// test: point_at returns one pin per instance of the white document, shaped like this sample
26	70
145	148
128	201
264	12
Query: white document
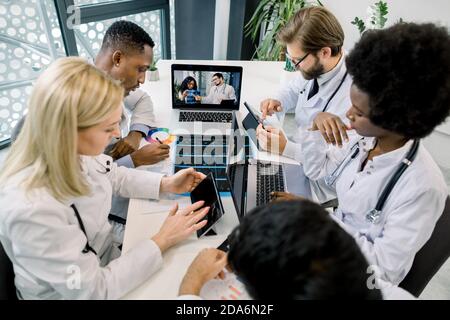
229	288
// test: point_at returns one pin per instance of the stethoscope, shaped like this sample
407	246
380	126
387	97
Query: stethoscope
332	95
374	215
223	89
87	247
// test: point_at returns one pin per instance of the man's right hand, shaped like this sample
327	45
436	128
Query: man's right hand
150	154
269	106
208	264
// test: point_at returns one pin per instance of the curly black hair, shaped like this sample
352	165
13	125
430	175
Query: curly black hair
184	84
405	70
294	250
126	36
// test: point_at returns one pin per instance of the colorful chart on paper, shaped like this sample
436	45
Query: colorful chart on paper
162	134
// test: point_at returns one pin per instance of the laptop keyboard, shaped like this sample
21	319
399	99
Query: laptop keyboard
205	154
186	116
269	179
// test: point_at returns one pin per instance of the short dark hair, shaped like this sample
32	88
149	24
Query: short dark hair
218	74
405	71
294	250
126	36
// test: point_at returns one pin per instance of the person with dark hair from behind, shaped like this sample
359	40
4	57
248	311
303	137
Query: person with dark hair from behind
289	250
188	90
400	93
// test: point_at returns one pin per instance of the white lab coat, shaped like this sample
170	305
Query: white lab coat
44	241
219	93
138	110
410	212
294	97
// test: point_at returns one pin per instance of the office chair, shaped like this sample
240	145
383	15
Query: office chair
7	288
431	256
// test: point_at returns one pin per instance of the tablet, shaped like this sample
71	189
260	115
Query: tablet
207	191
250	123
252	112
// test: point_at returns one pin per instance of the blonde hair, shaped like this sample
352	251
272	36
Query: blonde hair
314	28
69	96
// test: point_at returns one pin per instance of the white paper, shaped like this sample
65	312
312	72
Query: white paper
229	288
145	206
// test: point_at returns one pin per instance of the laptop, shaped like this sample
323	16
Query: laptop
201	104
252	181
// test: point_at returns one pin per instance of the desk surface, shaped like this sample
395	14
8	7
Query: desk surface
260	80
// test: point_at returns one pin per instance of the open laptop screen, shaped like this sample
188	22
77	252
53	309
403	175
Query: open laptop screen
238	152
206	87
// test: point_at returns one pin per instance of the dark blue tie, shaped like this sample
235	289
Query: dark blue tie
314	89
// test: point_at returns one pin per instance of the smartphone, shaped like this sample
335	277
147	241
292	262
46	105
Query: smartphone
250	123
207	191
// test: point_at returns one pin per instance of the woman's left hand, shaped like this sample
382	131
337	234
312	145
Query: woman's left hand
183	181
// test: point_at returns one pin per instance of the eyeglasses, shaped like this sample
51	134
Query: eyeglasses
295	64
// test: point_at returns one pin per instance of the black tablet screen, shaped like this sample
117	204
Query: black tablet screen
207	191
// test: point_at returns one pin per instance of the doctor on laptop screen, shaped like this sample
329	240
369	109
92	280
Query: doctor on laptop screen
206	87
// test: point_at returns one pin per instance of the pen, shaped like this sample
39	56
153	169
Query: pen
159	140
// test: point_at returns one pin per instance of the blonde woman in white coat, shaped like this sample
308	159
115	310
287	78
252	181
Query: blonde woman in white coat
56	188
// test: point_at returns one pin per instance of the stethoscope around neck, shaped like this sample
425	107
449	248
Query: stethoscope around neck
88	248
223	89
333	94
374	215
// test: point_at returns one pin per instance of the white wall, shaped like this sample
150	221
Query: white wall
437	11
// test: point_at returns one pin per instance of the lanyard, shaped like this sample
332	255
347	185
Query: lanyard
87	248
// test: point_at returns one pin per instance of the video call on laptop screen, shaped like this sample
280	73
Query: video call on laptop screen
206	87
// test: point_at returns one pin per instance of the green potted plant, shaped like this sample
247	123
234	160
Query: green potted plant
153	73
376	17
269	17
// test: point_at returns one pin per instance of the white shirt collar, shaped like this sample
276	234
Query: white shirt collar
220	87
385	159
333	72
